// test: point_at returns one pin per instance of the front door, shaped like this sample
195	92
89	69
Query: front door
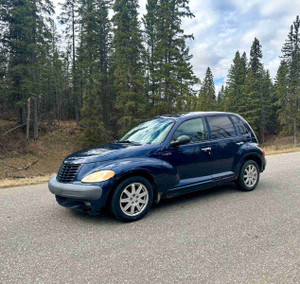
191	161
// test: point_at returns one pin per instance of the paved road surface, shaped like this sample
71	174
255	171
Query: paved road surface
217	236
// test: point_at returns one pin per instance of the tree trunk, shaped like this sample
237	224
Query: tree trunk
73	39
77	114
34	57
74	90
28	120
20	116
35	119
295	131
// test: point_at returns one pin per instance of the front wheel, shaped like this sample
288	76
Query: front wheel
248	177
132	199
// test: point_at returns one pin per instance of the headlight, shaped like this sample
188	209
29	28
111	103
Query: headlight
98	176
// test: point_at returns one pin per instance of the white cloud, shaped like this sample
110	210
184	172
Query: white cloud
221	27
55	3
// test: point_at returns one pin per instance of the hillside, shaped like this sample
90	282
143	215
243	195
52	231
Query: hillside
20	159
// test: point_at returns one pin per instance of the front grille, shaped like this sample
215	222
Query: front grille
67	172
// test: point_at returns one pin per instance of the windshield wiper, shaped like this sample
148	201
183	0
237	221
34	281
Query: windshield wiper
126	141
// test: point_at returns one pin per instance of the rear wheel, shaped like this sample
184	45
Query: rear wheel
249	176
132	199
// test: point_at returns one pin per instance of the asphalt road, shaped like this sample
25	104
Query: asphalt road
216	236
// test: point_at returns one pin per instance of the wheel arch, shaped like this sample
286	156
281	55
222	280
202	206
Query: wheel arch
138	172
251	156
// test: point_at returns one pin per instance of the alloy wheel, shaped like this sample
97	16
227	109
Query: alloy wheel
134	199
250	175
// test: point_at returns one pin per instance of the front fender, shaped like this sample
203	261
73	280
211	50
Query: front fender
163	175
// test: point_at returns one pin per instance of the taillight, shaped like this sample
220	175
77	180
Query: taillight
263	151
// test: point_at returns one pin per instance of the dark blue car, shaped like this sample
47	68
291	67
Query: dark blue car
162	157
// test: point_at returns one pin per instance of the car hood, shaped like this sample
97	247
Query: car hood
111	151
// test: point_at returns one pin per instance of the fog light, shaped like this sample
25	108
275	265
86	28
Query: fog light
87	204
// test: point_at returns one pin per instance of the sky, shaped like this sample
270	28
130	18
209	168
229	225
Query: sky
221	27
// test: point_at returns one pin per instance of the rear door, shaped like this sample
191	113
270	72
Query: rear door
224	146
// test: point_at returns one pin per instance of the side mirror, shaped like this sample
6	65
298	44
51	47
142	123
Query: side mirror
181	140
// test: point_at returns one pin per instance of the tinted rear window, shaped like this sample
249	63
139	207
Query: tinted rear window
221	127
240	125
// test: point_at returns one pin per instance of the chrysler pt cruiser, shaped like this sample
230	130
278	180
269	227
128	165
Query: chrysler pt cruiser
162	157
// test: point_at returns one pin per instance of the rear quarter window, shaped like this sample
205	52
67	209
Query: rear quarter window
240	125
221	126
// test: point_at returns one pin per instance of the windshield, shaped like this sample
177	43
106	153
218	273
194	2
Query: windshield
149	132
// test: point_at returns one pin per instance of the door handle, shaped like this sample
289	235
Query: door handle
239	143
206	149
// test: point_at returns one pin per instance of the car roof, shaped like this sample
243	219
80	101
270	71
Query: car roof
183	116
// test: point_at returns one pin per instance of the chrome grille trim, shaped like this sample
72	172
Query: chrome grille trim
67	172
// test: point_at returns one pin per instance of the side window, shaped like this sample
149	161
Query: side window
221	126
194	128
240	125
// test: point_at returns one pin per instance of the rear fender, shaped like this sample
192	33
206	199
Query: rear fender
246	152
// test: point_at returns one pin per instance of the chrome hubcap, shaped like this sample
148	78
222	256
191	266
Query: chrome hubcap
250	175
134	199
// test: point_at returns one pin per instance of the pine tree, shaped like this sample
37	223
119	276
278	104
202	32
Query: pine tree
269	116
255	88
3	65
252	112
255	58
221	98
235	84
104	52
93	57
3	72
207	95
128	70
53	104
69	18
290	117
16	39
171	73
67	103
41	11
280	95
150	38
25	38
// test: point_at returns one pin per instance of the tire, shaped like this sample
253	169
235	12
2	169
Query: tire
249	176
132	199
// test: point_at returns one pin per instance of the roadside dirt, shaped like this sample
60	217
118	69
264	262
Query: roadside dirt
21	160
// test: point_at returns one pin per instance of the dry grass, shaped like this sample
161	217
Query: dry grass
37	158
272	150
279	145
24	163
24	181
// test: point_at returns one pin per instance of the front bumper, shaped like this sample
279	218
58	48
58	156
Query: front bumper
74	191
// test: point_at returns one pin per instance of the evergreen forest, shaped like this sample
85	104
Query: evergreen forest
102	64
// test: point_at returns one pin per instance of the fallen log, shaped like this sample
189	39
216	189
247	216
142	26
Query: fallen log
31	164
